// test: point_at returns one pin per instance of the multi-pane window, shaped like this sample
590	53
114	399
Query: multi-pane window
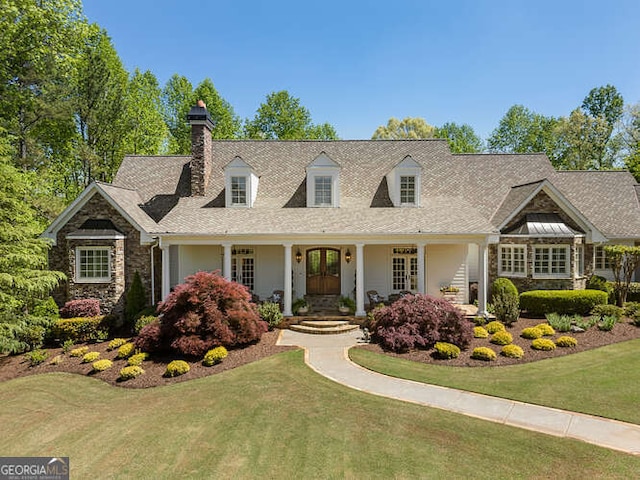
322	186
243	267
579	260
513	260
601	262
551	260
93	263
238	190
408	190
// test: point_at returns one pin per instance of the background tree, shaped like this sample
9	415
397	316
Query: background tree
408	127
177	96
582	138
282	117
624	261
226	123
462	138
144	124
631	139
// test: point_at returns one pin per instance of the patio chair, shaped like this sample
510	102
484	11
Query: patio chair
375	299
277	297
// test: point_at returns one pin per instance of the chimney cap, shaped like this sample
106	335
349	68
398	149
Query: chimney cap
200	103
199	115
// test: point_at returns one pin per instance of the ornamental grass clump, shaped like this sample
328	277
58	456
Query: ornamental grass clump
560	323
501	337
90	357
102	365
607	323
531	333
130	372
546	329
512	351
483	353
204	312
494	326
566	341
480	332
214	356
446	350
177	368
543	344
419	321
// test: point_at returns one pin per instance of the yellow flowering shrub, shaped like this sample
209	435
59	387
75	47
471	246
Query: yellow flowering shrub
512	351
483	353
480	332
531	333
494	326
102	365
137	359
546	329
215	355
502	337
447	350
566	341
543	344
116	343
90	357
126	350
176	368
132	371
79	352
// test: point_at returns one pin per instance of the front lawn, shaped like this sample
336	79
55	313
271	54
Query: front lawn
603	381
274	418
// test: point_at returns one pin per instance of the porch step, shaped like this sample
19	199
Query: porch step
323	327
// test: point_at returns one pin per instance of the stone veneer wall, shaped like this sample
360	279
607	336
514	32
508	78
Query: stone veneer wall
542	203
135	257
529	283
201	151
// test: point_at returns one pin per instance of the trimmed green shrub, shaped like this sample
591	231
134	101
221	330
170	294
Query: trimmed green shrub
90	357
541	302
47	308
543	344
494	326
270	313
36	357
483	353
79	329
531	333
502	337
204	312
137	359
177	368
566	341
419	321
79	352
479	320
607	311
607	323
546	329
512	351
132	371
102	365
116	343
126	350
480	332
596	282
136	299
505	300
142	322
214	356
561	323
446	350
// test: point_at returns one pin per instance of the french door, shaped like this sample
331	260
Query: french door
404	269
243	267
323	271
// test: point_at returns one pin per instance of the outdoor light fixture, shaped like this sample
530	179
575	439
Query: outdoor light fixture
298	256
347	256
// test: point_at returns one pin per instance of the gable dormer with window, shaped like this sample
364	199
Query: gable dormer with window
241	184
323	182
404	183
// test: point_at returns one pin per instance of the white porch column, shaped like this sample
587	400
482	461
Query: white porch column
226	261
166	274
288	282
483	277
421	272
360	312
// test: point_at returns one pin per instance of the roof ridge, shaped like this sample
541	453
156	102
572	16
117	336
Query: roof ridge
107	184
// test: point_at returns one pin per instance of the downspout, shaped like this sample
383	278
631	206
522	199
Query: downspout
153	274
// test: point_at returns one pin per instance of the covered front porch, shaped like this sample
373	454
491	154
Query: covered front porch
339	267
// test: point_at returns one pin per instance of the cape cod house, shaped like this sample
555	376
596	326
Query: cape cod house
340	218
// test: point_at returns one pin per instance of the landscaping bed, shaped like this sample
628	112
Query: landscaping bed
154	367
592	338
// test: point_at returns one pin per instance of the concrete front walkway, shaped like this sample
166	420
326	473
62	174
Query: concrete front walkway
327	355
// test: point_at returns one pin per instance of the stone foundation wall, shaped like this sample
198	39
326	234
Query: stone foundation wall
135	257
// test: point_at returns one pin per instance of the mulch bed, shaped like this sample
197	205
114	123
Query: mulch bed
154	367
590	339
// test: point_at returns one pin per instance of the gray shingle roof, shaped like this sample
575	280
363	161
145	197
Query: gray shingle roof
464	194
130	201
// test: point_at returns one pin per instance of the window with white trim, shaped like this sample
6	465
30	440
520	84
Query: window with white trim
600	260
407	189
579	260
323	192
551	260
513	260
239	191
93	264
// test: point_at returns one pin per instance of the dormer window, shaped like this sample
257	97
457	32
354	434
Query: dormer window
404	183
323	182
241	184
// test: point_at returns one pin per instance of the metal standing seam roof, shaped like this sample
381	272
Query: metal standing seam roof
543	225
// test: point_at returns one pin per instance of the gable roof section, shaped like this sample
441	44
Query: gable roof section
542	225
518	193
126	202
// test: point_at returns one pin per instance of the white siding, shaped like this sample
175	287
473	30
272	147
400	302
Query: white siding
197	258
270	270
446	265
377	269
472	262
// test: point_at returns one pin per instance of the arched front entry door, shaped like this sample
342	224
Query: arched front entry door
323	271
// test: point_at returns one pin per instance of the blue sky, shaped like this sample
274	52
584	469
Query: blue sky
355	64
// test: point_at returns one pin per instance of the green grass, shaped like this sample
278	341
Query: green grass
603	381
274	419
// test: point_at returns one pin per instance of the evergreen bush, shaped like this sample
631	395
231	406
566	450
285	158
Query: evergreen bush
480	332
214	356
102	365
502	337
494	326
543	344
132	371
483	353
512	351
566	341
541	302
270	313
531	333
136	299
177	368
446	350
504	297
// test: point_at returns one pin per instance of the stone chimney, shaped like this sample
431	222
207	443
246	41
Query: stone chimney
201	147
